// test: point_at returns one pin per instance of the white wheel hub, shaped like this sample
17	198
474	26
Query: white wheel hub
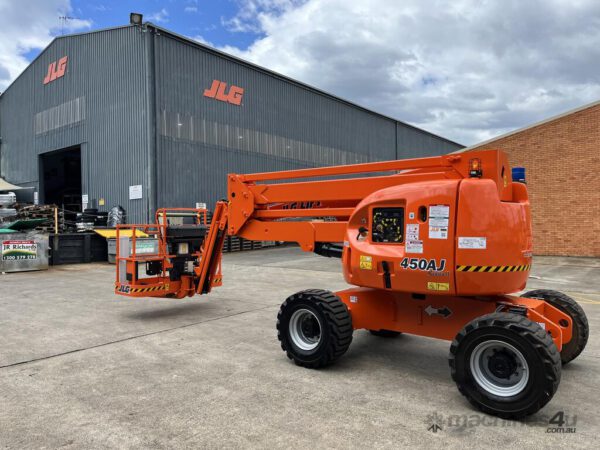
305	329
499	368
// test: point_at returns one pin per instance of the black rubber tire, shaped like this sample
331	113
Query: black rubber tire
335	322
581	328
536	346
385	333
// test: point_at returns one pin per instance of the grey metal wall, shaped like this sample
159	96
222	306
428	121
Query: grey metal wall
133	99
100	104
279	125
416	143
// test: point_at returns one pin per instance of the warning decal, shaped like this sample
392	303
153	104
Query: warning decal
438	221
478	243
438	232
521	268
439	211
18	250
366	262
414	246
444	312
412	231
433	286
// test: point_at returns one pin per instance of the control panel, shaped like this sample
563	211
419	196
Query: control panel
388	225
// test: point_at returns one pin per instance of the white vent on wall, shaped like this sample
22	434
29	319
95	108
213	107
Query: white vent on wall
65	114
195	129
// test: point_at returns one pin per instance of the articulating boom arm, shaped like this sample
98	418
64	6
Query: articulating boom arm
315	214
308	212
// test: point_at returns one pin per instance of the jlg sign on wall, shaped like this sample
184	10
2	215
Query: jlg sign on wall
56	69
218	91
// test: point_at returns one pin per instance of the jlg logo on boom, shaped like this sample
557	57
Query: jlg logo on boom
218	91
56	69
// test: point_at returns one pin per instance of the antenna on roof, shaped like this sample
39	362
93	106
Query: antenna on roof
63	22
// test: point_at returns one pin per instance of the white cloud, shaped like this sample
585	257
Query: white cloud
199	38
251	12
23	29
161	16
190	9
467	69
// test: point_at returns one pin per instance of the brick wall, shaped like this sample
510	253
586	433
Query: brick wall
562	161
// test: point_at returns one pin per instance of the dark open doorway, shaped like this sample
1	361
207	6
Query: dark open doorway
60	178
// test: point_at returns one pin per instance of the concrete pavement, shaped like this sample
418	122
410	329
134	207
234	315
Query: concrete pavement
81	368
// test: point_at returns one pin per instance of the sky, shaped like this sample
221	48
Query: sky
467	70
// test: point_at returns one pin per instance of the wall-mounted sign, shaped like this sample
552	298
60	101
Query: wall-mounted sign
218	91
135	192
56	69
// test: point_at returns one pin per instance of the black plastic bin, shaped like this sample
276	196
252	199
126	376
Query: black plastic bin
77	248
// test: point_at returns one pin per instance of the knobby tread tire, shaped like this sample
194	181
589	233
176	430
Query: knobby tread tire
336	319
539	339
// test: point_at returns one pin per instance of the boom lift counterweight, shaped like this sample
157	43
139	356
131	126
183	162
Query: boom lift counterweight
434	247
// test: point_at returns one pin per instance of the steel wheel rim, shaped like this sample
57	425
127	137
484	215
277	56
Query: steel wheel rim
499	368
305	329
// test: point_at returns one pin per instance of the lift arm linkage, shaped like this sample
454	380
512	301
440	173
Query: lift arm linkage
312	211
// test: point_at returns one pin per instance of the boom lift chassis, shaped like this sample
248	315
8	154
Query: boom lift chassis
434	247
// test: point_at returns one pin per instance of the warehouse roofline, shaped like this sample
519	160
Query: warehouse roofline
238	60
56	38
529	127
290	80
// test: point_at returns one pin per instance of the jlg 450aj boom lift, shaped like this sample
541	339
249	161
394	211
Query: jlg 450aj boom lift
433	247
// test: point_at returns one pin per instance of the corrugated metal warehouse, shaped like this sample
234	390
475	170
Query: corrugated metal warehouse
141	117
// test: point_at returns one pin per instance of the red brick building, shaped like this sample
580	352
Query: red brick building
562	160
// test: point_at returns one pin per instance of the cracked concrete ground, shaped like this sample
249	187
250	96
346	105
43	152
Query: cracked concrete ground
82	368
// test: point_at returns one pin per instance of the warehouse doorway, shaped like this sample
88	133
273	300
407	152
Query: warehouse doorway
60	178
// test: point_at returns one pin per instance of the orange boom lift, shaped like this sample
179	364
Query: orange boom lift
433	247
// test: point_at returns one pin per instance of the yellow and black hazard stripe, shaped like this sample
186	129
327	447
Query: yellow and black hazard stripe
148	289
521	268
217	280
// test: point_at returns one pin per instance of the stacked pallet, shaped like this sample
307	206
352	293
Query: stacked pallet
238	244
51	215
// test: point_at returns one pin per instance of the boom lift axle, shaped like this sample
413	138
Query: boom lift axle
434	247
